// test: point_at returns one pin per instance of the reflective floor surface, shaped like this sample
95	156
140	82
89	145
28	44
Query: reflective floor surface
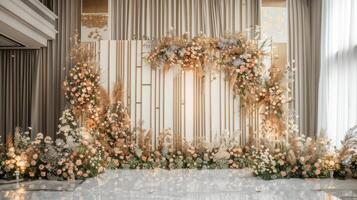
182	184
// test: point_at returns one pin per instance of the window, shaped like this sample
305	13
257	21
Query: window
338	76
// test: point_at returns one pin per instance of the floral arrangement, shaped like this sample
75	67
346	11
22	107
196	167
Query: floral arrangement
116	123
114	127
43	158
242	62
303	157
347	155
68	126
169	51
81	85
12	162
141	155
83	80
300	158
77	151
273	98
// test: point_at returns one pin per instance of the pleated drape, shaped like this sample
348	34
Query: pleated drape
53	65
140	19
17	69
43	117
47	3
304	53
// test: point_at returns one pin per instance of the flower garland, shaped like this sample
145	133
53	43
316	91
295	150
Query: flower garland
169	51
241	60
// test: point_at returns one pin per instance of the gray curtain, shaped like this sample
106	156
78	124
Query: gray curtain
17	70
304	48
47	3
43	117
53	65
157	18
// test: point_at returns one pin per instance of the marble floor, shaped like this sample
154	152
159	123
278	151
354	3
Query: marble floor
182	184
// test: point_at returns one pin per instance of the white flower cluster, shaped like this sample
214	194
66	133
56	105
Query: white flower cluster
263	162
68	126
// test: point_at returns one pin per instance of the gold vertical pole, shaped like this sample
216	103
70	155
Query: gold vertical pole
229	108
199	105
136	86
108	57
194	107
225	106
184	105
160	107
240	121
203	108
129	79
155	108
180	108
152	106
141	86
210	107
220	103
163	100
174	113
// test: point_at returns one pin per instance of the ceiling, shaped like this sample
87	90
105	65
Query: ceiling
7	42
26	24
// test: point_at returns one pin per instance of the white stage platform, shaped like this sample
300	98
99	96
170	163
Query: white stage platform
187	184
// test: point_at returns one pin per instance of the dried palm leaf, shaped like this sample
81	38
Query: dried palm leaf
251	138
9	140
147	143
104	100
161	140
268	143
139	133
350	140
118	92
291	157
309	148
349	145
295	144
277	73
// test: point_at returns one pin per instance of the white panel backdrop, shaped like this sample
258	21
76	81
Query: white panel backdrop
190	105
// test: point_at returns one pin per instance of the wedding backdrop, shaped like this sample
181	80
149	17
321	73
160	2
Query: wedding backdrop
193	103
97	132
181	84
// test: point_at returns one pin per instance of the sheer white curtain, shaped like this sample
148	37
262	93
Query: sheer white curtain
338	79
